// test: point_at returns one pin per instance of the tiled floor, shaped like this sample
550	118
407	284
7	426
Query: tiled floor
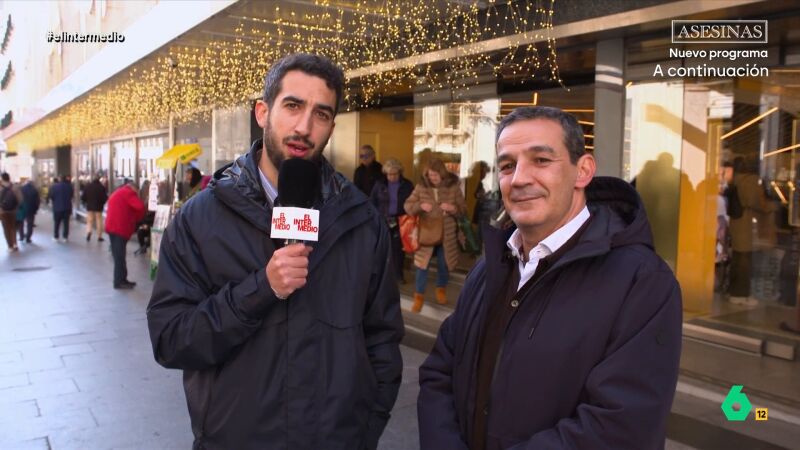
76	367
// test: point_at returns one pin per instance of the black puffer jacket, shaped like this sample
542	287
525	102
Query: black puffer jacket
95	196
326	376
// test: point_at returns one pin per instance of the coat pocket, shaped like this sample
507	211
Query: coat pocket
340	295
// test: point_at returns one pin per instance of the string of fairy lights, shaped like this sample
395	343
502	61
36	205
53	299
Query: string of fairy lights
187	82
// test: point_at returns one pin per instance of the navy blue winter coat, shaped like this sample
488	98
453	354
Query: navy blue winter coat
590	358
380	196
319	370
61	196
30	197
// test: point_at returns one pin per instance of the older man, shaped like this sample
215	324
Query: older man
568	333
369	171
125	209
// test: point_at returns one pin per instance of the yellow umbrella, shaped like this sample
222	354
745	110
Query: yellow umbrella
181	152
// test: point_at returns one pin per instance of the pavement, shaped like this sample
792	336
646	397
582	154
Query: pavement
77	370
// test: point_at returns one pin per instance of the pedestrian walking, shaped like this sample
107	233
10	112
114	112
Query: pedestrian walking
60	196
438	201
94	196
31	200
567	334
388	196
10	199
369	171
125	209
20	218
192	183
281	347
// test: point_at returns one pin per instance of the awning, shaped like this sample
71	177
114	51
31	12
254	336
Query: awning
181	152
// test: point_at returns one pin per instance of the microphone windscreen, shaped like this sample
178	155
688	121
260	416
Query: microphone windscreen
299	183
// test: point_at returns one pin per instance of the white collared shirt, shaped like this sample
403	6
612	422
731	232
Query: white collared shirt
548	246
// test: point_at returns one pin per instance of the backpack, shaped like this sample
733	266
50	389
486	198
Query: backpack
733	204
8	201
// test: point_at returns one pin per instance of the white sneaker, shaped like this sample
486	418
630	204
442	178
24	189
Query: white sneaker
55	239
738	300
64	240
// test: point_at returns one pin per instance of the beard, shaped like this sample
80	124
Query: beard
273	147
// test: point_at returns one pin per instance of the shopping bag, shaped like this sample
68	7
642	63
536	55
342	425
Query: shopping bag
409	232
467	241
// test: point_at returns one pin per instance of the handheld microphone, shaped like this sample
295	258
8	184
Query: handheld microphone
299	186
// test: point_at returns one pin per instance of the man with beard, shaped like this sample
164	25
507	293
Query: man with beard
282	347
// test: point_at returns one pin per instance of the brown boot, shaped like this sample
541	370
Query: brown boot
441	296
418	300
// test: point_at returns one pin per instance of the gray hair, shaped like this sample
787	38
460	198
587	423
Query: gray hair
392	164
573	132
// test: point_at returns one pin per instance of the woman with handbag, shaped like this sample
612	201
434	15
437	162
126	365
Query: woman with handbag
388	197
437	201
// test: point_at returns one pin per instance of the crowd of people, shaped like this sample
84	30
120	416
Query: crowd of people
437	201
124	210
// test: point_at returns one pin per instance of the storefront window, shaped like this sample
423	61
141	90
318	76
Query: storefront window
654	127
45	174
83	167
100	154
124	154
232	134
462	136
150	149
716	165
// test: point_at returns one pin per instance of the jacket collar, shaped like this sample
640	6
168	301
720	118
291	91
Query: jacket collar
617	219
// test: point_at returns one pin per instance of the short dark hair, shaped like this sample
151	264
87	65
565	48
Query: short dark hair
197	176
573	132
316	65
4	176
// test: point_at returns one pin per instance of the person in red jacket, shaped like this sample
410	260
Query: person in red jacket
125	209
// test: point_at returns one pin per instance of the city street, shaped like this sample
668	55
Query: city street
76	366
77	371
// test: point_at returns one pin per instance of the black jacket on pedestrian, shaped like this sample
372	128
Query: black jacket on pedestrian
365	176
590	357
319	370
95	196
30	197
380	196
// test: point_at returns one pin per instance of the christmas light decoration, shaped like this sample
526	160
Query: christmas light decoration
5	30
6	76
188	82
6	121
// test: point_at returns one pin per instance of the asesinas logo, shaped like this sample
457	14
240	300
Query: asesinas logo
719	31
